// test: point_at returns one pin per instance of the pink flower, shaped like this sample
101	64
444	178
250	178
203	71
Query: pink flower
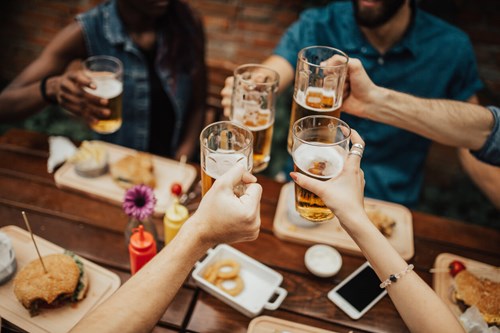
139	202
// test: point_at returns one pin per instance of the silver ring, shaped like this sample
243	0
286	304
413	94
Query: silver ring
356	152
358	145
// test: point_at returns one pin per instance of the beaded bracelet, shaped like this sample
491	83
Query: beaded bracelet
43	90
394	277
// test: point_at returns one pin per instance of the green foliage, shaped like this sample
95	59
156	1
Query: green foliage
53	121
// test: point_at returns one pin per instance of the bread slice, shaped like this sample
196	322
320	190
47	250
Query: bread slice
483	293
134	170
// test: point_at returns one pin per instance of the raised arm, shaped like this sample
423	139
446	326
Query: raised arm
22	97
143	299
448	122
344	196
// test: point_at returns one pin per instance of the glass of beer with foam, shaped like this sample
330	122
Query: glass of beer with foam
106	73
320	147
253	105
319	83
222	145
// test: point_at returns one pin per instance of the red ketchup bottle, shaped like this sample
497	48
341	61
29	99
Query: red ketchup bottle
142	248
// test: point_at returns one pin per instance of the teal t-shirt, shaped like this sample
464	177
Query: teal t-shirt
433	60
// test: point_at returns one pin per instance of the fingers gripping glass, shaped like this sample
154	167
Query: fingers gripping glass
223	144
253	105
106	73
320	147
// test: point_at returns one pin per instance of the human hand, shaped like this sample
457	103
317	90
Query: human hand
360	93
222	216
227	94
343	194
71	96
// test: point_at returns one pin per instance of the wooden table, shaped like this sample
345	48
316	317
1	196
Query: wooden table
94	230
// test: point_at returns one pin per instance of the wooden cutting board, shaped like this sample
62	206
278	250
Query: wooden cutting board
166	171
288	225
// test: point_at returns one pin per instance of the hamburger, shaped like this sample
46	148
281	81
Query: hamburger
483	293
65	282
134	170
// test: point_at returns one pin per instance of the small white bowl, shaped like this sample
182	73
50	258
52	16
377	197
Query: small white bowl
323	260
261	282
8	264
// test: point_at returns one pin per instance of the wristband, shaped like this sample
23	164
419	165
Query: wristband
394	277
43	91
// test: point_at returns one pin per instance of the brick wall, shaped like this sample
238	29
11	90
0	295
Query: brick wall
238	31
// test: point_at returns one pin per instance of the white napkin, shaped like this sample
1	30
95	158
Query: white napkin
60	149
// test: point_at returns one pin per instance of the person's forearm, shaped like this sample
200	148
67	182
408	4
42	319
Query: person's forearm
485	176
20	102
418	305
147	295
448	122
284	69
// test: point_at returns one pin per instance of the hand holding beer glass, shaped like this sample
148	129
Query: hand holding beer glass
320	147
319	83
222	145
253	105
106	73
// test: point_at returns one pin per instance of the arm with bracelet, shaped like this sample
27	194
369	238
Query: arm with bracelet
419	306
47	81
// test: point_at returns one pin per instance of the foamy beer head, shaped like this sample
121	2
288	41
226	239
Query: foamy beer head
106	73
320	147
319	83
253	105
222	145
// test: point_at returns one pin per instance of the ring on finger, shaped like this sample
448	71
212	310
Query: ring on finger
359	146
356	152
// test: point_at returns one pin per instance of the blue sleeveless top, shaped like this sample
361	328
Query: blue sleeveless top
105	34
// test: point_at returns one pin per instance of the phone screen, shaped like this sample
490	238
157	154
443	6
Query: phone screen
362	289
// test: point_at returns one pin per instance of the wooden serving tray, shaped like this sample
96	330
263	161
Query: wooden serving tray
166	171
442	281
332	233
102	284
268	324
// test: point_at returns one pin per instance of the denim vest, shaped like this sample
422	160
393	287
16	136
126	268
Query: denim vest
105	34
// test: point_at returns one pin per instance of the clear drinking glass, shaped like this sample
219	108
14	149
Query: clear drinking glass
319	84
222	145
253	105
320	147
106	73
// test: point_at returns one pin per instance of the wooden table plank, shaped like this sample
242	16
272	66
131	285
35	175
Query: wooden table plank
94	229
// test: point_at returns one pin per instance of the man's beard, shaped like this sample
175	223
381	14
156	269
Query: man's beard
375	17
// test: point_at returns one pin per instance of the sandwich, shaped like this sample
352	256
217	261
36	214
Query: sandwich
483	293
134	170
384	223
64	282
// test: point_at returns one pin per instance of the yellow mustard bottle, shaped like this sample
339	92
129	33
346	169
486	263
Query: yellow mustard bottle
175	216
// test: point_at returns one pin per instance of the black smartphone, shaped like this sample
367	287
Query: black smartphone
358	292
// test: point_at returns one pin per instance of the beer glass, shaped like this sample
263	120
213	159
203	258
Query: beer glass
106	73
319	83
222	145
320	147
253	105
